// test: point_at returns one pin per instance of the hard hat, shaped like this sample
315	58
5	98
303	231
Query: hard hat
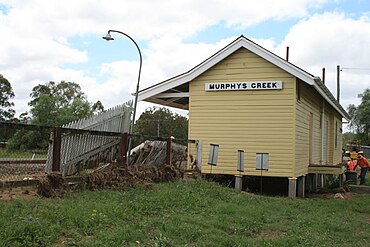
347	152
360	152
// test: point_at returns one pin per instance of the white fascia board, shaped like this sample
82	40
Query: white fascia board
172	95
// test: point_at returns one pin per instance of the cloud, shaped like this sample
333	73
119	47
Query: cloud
38	34
147	19
331	39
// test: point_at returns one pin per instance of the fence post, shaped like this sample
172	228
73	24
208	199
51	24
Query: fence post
57	144
123	147
169	149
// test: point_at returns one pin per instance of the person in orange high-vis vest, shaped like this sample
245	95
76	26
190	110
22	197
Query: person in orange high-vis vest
364	164
351	165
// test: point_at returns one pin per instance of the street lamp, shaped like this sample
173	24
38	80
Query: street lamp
108	37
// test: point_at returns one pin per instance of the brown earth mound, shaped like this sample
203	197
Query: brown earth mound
119	176
52	185
112	176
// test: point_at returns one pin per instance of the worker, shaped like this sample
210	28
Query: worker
350	165
364	164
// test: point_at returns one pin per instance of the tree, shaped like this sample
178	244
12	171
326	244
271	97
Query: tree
360	118
347	137
6	93
97	107
161	122
55	104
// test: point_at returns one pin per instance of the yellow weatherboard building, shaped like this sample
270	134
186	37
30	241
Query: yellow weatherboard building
246	98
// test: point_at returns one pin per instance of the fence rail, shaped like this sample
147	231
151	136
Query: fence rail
87	142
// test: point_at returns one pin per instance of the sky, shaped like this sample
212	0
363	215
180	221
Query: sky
51	40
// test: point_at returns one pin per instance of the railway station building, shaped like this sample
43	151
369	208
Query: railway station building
283	119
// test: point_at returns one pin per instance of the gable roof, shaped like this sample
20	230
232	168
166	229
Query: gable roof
243	42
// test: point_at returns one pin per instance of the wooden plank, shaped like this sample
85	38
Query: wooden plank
326	169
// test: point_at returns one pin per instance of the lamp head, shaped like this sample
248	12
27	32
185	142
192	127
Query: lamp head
108	37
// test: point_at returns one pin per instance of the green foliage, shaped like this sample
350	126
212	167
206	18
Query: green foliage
52	104
6	111
347	137
63	93
161	122
97	107
334	182
55	104
6	94
24	140
360	118
37	154
200	214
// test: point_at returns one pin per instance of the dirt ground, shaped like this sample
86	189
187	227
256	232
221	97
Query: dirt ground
25	193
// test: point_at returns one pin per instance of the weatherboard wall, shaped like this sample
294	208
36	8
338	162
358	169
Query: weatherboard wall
308	115
260	121
307	125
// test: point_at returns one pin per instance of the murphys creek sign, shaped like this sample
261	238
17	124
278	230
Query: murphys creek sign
250	85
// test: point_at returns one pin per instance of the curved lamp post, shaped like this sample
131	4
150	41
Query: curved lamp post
108	37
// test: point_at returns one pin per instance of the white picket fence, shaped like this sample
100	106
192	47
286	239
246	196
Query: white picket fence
81	150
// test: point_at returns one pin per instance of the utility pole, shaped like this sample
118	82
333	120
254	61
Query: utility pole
338	82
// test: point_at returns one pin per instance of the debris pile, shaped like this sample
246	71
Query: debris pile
121	176
154	153
110	176
52	185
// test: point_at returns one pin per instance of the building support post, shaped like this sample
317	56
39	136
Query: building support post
301	185
292	190
239	182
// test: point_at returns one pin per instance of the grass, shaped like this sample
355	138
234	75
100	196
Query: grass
39	154
187	213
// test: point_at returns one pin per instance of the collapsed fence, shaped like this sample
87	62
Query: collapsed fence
22	163
83	143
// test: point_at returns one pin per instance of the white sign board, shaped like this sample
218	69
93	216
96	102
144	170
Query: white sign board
251	85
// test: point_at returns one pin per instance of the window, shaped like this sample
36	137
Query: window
213	154
262	161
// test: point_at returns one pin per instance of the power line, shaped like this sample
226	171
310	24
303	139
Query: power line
355	68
